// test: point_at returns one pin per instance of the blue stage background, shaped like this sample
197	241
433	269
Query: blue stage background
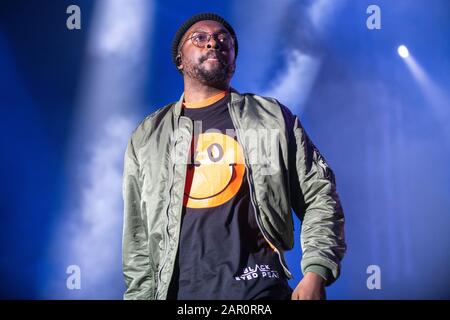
69	99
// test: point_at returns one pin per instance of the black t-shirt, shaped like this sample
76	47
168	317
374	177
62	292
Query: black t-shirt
222	253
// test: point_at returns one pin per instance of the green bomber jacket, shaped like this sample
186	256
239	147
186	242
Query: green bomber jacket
285	171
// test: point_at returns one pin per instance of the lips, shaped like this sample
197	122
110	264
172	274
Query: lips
212	57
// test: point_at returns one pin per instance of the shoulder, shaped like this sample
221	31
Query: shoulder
150	123
260	99
270	104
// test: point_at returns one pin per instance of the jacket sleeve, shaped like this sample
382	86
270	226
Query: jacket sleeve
135	251
316	202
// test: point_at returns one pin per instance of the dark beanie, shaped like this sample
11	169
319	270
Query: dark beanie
194	19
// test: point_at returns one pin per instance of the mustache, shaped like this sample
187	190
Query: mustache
213	54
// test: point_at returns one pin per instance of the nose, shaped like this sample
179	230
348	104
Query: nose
212	43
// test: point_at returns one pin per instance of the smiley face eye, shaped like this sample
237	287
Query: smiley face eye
215	152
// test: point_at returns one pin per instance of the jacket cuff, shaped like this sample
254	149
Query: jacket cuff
322	271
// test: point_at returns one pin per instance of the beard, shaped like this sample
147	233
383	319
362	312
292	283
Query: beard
215	77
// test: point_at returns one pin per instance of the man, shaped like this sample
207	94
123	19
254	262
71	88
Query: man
209	184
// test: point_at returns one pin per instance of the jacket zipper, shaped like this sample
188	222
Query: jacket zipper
161	266
286	270
167	224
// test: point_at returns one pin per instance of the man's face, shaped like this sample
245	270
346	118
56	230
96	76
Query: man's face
214	64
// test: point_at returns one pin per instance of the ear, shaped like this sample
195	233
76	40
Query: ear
179	62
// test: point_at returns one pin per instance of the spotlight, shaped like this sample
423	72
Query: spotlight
403	51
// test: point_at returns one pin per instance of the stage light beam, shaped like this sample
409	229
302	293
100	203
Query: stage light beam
403	51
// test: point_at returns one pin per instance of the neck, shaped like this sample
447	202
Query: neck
196	91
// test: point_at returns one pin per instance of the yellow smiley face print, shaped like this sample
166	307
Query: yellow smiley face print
216	172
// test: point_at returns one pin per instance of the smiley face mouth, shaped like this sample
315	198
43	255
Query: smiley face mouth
225	185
